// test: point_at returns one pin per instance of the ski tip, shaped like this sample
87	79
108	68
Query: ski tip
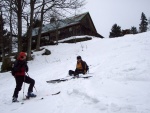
56	93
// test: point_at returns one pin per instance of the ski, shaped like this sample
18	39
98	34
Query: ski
25	99
59	80
28	98
85	77
16	101
65	79
56	93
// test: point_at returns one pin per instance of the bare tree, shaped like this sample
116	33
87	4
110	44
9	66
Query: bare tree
15	7
40	28
1	35
56	19
11	29
17	15
56	7
18	9
10	21
29	34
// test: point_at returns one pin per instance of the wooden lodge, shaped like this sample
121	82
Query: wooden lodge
73	26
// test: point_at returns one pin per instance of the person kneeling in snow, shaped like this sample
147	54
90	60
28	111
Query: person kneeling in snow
19	69
81	67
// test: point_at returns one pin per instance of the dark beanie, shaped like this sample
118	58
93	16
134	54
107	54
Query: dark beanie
79	57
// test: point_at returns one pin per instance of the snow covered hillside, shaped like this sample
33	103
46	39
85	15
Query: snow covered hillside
120	84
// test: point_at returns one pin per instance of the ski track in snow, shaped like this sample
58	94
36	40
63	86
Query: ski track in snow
120	82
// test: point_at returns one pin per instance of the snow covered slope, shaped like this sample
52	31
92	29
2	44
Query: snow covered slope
120	84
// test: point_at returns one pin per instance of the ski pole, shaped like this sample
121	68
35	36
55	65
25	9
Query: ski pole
23	87
23	91
33	86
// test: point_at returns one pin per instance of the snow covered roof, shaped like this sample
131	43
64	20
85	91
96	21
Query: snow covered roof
60	24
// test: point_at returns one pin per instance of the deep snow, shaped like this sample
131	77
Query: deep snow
120	84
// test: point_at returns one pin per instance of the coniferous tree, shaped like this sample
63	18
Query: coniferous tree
144	24
134	30
149	24
115	31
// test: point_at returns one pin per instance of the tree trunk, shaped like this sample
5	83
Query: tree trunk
19	14
1	34
3	52
57	36
10	46
32	3
40	28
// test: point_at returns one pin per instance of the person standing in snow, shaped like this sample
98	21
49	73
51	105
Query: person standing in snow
20	68
81	67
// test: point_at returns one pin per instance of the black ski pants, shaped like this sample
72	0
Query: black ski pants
19	83
76	72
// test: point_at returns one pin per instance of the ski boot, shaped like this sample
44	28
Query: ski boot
30	94
14	99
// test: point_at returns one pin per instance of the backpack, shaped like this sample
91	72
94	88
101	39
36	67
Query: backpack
87	67
85	64
12	70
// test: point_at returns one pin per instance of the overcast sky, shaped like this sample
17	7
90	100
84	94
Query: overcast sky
125	13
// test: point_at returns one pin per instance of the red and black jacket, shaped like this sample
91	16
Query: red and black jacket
20	67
